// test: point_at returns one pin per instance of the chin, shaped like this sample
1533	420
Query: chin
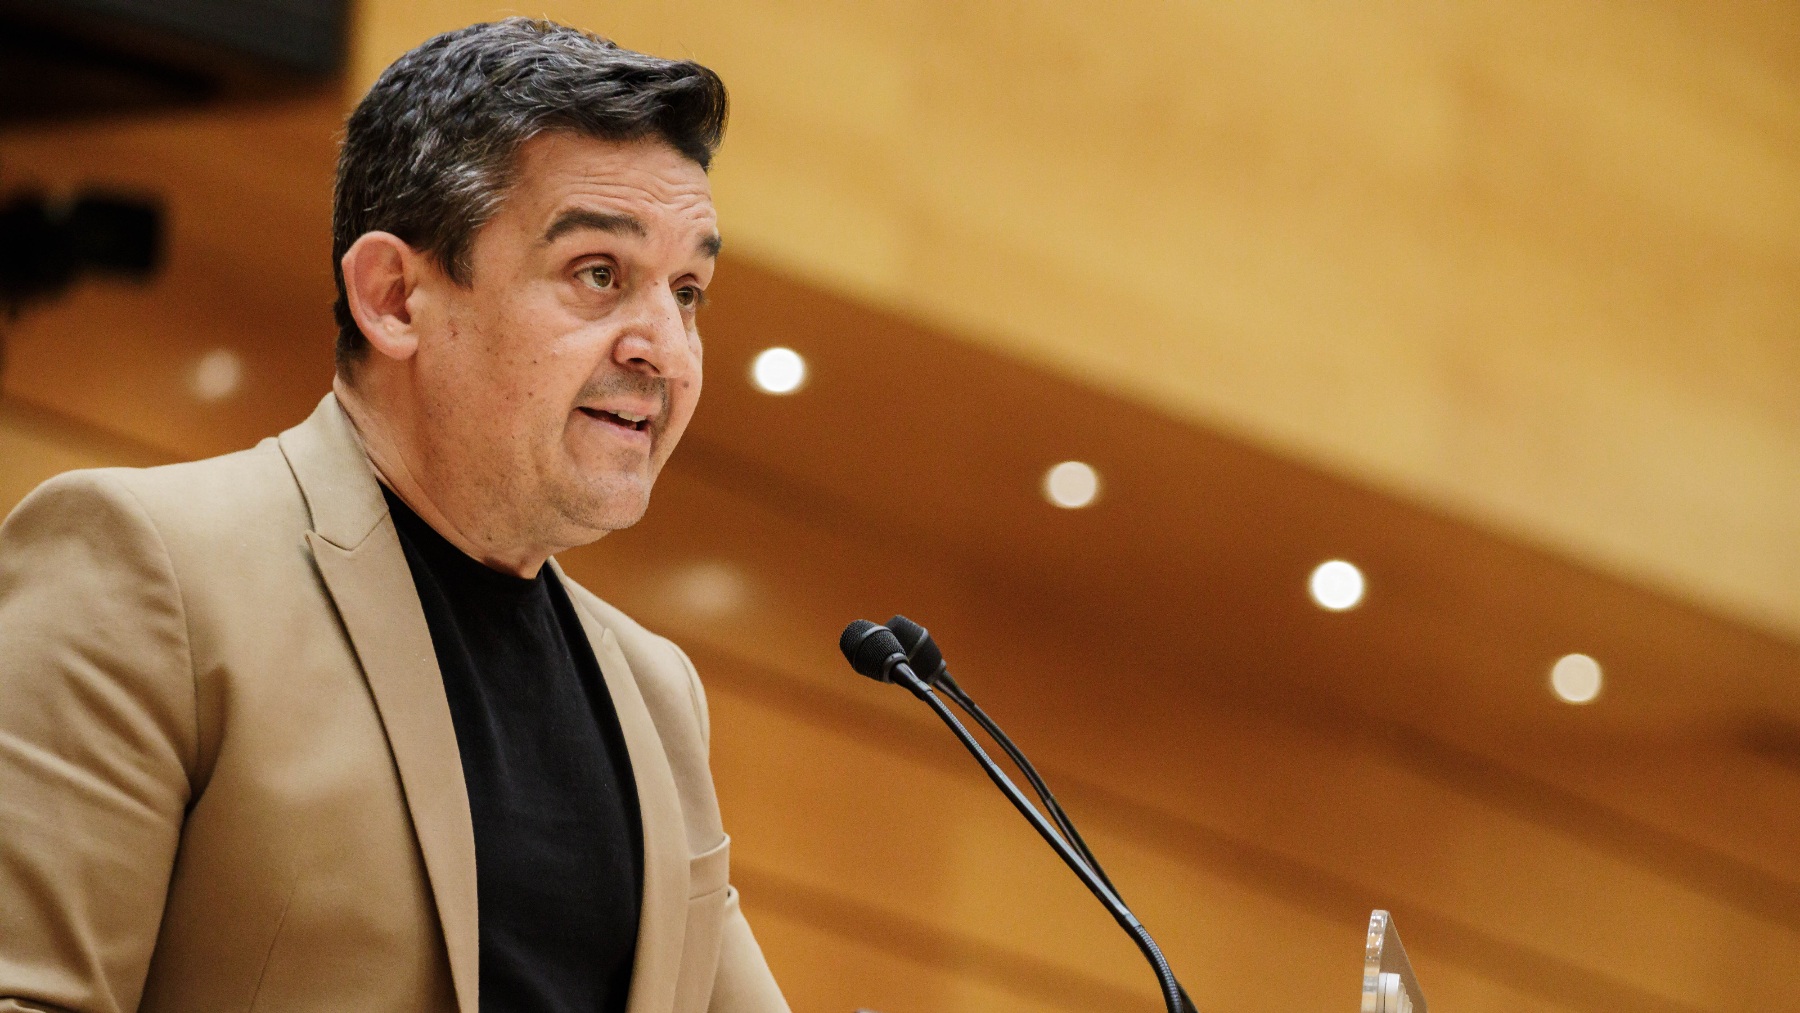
617	518
610	504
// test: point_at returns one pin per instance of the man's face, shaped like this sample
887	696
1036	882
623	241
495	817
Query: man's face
556	383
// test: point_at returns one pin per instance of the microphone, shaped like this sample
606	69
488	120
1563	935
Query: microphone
872	651
922	652
875	652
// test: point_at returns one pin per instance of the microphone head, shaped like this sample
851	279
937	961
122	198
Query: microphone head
871	649
921	651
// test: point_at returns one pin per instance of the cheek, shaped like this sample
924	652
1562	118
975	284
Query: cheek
696	360
530	363
685	393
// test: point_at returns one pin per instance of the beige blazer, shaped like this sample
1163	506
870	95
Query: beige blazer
228	775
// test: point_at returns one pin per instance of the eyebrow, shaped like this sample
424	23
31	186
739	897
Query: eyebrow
600	221
617	224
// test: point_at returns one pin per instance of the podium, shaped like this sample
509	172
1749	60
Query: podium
1388	982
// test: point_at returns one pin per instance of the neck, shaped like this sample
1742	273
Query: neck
390	447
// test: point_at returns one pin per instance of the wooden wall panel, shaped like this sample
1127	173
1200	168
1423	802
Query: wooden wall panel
1530	263
1255	839
247	198
1236	754
36	444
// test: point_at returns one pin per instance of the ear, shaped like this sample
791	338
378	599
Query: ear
380	272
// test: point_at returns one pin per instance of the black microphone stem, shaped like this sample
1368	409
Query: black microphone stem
1174	998
955	692
952	689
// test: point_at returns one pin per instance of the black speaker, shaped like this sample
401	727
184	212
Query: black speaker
77	58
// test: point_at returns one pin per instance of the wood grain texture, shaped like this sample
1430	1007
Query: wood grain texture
1570	308
1531	263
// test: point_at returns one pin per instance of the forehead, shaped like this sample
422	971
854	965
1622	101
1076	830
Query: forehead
645	178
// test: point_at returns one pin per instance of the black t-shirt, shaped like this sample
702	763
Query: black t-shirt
558	847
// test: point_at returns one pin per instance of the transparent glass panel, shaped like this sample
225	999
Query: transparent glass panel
1388	982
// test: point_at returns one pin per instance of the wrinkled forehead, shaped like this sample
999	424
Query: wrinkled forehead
643	189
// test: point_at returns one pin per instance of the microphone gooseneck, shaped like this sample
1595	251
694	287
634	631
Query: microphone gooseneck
923	653
875	652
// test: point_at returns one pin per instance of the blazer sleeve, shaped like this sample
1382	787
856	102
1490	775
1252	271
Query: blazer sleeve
743	982
97	742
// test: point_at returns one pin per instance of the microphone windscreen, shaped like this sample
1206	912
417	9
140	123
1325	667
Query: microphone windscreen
868	647
921	651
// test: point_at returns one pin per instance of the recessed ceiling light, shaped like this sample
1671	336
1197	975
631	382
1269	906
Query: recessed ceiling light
778	371
216	375
1072	485
1575	678
1336	585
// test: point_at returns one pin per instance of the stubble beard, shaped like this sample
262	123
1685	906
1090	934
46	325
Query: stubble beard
613	500
585	511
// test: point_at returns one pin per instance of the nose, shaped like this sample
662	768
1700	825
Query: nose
656	340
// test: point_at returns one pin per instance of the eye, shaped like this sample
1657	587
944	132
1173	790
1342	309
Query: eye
690	297
597	276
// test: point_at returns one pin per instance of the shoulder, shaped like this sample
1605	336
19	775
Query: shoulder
93	619
193	493
165	522
208	502
78	525
216	493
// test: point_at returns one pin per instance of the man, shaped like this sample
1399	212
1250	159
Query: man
321	725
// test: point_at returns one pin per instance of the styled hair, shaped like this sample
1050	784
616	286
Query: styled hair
429	153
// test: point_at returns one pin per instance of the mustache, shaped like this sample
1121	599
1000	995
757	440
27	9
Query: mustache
627	383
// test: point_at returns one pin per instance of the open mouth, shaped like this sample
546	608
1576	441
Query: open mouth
624	420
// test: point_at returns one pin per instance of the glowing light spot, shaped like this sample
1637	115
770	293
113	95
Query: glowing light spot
216	375
778	371
1336	585
711	588
1575	678
1072	485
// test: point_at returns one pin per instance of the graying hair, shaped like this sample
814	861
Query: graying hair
429	152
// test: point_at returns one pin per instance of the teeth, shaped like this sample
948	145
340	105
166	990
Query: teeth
629	417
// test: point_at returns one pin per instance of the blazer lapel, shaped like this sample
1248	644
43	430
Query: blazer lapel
662	920
359	557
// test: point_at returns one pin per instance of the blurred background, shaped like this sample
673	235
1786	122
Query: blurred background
1494	302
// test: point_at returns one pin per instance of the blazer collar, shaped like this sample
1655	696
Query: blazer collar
662	917
364	568
359	558
341	490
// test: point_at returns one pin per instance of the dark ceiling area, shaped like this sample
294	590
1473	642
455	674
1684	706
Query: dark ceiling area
85	58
